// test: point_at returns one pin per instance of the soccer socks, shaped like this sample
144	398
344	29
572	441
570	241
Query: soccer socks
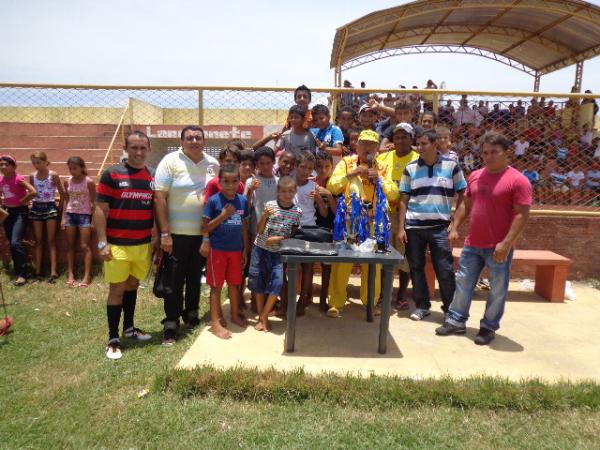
113	313
129	300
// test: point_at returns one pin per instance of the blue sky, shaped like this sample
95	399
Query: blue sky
260	43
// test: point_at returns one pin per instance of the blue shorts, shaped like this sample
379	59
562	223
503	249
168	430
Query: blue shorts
266	272
78	220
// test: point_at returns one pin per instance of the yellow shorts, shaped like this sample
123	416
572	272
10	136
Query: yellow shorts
394	228
128	260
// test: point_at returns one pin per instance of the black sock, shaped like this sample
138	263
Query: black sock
129	299
113	312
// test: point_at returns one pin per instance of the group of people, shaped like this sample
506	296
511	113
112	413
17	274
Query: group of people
32	199
227	216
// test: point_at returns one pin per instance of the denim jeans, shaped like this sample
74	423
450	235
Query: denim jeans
14	228
472	262
441	257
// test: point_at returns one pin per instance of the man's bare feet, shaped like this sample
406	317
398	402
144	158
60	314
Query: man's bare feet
219	331
223	322
262	326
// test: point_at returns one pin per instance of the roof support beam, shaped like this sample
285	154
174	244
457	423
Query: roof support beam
540	31
376	55
490	22
435	28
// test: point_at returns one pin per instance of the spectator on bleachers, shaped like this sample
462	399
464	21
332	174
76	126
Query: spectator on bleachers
520	146
363	98
348	99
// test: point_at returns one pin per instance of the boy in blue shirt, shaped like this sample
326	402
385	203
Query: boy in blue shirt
329	137
226	222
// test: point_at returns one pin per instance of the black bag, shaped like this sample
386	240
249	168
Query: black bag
313	234
163	281
299	247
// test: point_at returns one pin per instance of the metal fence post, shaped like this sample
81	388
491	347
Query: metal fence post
200	107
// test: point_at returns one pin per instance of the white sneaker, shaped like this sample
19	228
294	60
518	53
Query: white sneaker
419	314
113	350
333	312
137	334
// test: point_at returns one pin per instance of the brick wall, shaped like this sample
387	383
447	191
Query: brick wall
577	238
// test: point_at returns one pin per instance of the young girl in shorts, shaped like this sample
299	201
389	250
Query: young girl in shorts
80	195
44	212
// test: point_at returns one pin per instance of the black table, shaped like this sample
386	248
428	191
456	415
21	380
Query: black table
387	260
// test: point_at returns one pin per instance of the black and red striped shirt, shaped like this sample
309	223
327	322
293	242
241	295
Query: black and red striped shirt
129	194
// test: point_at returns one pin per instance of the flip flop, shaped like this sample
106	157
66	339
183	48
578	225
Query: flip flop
71	282
82	285
8	321
19	283
52	279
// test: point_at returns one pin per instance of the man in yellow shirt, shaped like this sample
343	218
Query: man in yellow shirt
396	160
352	174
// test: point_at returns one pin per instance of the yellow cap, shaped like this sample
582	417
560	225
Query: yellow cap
368	135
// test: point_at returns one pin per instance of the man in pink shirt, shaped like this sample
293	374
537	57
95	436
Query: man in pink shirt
497	202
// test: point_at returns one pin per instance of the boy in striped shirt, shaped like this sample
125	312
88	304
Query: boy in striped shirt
277	223
427	189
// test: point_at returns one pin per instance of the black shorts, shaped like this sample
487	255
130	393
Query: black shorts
43	211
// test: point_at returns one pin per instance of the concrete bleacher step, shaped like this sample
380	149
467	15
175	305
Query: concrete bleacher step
58	156
56	141
56	129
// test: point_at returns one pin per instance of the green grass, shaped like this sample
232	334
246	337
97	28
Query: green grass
59	391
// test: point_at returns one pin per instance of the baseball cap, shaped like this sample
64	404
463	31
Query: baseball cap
368	135
405	127
364	107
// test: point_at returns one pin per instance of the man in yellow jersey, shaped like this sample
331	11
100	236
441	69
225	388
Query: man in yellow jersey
353	174
396	160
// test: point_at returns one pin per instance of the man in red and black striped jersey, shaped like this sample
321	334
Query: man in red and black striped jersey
124	221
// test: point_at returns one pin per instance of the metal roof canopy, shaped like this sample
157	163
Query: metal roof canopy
534	36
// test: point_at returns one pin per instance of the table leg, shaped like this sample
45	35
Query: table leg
386	306
290	333
371	292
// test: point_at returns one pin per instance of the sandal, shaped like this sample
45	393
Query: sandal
82	285
20	282
52	279
8	321
71	282
402	305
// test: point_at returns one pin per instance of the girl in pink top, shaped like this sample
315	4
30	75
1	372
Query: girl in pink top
80	196
16	194
44	212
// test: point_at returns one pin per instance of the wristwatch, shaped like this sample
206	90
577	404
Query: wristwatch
102	244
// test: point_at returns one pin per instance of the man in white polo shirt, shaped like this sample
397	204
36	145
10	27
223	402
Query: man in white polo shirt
180	180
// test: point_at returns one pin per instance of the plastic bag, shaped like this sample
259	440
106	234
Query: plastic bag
569	291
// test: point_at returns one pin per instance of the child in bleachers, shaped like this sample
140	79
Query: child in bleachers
278	221
80	198
44	212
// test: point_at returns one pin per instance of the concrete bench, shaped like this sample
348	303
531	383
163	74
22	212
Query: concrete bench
551	271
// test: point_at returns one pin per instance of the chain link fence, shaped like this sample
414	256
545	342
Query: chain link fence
555	138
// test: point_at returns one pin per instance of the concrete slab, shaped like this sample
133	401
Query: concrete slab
538	339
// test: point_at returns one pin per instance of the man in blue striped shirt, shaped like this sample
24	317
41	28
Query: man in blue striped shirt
427	187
